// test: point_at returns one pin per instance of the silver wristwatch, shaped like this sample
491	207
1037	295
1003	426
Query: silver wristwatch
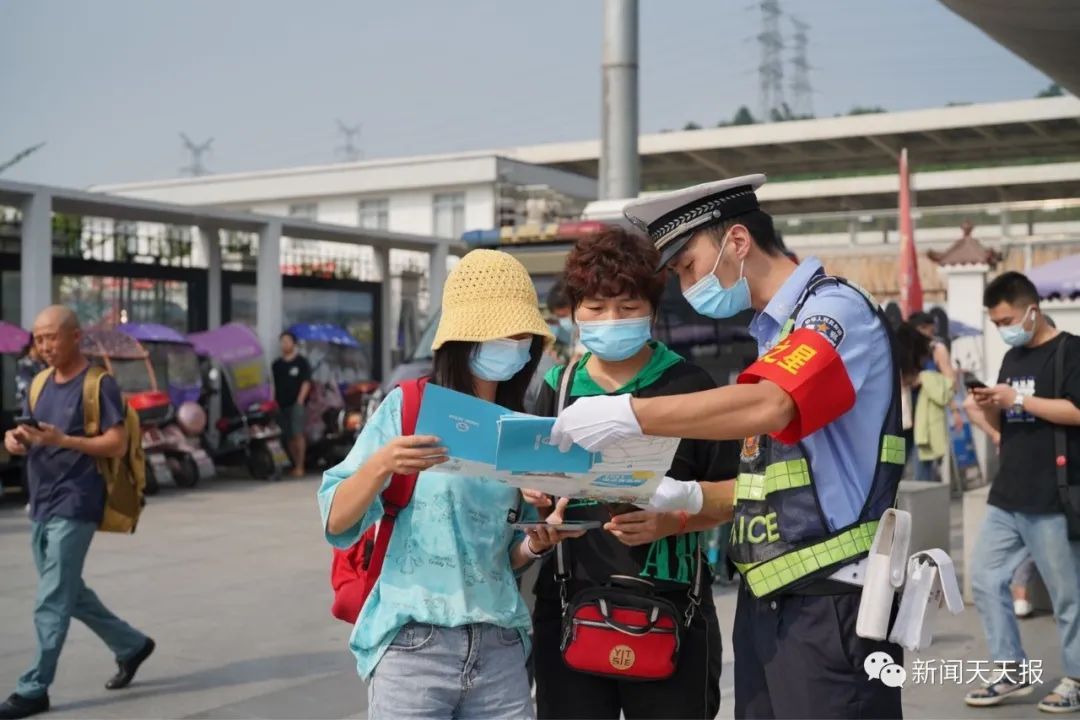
1018	402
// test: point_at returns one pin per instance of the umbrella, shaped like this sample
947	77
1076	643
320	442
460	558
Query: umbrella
1060	278
958	329
13	339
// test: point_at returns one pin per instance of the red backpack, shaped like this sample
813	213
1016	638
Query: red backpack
355	571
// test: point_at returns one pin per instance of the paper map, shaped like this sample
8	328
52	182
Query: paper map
471	430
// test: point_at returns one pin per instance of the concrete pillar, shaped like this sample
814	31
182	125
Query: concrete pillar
35	249
387	324
437	277
268	287
964	285
209	239
620	166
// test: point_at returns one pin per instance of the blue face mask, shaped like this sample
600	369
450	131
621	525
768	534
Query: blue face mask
500	360
709	298
616	340
1016	335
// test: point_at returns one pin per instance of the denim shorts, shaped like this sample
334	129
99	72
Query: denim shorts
472	671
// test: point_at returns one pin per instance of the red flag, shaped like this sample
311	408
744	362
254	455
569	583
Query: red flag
910	285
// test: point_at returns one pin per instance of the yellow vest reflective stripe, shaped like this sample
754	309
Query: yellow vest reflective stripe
782	475
771	575
894	450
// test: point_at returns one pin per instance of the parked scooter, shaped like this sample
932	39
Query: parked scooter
176	366
13	341
129	363
243	429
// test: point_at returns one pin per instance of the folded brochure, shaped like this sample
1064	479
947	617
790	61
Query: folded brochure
486	440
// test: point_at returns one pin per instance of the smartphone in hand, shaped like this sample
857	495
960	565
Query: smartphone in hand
973	383
28	421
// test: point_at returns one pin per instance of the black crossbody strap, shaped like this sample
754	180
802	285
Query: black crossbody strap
1060	446
562	569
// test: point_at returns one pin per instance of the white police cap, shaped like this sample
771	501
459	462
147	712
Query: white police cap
670	219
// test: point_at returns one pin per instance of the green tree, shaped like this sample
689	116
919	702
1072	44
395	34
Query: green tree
743	116
1051	90
691	126
866	110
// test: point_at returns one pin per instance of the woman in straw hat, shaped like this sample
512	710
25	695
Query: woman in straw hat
443	632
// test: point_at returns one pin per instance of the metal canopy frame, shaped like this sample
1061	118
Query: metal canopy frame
38	202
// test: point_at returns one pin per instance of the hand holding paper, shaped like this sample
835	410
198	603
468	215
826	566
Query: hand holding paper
595	423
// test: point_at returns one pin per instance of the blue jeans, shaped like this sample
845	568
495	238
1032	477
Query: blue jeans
429	671
1005	540
60	547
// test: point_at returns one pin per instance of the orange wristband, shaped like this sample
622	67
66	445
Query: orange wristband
684	519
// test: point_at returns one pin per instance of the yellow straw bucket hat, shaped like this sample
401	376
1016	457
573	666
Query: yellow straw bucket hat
489	295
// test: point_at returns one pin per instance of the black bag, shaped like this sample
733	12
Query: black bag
1069	494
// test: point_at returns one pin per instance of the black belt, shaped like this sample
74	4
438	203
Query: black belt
824	586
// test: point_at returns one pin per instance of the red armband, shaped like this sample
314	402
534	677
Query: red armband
807	367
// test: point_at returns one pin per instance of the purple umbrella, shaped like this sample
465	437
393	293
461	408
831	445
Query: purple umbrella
13	339
1060	278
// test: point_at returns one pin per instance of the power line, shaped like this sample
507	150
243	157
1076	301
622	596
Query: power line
802	91
197	150
349	150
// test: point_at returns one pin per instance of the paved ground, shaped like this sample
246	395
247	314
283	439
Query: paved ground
231	580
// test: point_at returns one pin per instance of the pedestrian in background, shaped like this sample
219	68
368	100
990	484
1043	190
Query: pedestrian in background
1027	511
292	385
67	500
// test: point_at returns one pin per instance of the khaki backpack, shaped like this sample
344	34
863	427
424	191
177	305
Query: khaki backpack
125	477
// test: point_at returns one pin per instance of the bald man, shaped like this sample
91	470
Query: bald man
67	499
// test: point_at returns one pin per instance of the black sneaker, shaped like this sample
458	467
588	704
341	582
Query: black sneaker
996	692
17	706
1064	699
127	669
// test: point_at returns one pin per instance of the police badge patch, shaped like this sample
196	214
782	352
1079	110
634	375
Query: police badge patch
751	449
827	326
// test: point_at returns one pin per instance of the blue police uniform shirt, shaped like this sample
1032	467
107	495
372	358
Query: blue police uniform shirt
66	483
844	454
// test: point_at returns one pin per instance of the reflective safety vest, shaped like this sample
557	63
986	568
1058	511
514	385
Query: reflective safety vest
780	538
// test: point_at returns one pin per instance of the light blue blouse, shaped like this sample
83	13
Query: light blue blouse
448	562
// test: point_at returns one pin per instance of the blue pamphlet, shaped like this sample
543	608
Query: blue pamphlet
467	426
525	446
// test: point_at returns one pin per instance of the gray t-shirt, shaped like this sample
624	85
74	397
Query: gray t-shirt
65	483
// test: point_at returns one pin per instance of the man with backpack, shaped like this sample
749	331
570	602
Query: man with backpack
69	502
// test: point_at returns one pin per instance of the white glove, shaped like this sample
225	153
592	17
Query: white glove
595	423
672	495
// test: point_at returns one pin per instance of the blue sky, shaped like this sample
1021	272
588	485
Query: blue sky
109	83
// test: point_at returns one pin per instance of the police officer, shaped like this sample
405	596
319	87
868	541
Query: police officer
819	415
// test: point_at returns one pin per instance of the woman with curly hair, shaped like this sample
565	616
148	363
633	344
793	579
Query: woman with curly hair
615	295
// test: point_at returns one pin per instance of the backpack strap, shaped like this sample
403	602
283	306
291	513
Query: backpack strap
36	386
92	400
399	494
